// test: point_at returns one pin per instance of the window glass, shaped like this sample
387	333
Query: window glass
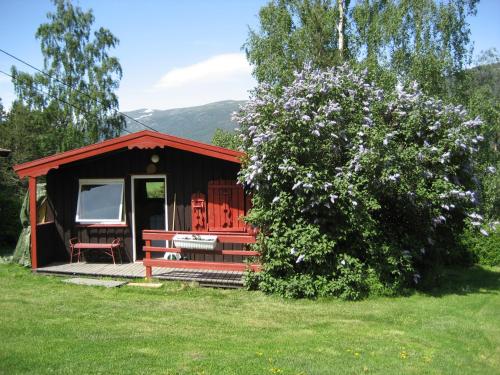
100	201
155	189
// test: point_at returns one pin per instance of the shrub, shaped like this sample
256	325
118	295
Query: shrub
227	139
485	249
345	173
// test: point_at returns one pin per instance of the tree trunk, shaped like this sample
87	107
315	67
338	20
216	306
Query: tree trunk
340	27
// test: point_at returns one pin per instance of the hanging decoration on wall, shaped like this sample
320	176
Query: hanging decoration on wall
198	212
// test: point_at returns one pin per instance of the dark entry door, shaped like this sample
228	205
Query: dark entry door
149	205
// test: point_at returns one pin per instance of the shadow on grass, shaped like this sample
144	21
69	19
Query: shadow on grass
463	281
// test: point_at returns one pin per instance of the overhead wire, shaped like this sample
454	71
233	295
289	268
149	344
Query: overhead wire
72	88
58	99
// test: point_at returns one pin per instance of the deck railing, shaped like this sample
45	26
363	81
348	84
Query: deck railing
222	237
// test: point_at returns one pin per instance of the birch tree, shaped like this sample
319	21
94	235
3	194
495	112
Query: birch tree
423	40
80	78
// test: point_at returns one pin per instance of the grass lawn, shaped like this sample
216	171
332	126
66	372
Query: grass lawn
47	326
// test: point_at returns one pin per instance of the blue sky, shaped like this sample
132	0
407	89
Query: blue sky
174	53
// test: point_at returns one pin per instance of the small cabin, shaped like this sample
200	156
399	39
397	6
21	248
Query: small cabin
123	187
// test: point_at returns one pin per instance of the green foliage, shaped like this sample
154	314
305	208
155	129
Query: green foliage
486	72
155	189
486	249
292	33
426	41
344	173
422	40
10	205
9	201
75	107
482	103
227	139
484	100
27	134
80	97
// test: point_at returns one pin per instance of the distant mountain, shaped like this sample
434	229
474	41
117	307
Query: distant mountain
198	123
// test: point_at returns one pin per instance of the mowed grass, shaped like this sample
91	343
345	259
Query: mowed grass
47	326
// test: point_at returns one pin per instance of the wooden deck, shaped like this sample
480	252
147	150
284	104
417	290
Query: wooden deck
228	279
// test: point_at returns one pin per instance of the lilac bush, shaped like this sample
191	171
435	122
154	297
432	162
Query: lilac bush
353	185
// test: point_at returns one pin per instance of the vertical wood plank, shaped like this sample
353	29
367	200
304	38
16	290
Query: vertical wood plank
54	193
170	186
219	219
180	189
33	215
188	188
127	232
241	207
211	207
149	269
70	199
235	206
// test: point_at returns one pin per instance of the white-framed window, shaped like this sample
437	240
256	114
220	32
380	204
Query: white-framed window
100	201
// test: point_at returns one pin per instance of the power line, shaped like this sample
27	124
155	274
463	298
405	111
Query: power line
58	99
77	90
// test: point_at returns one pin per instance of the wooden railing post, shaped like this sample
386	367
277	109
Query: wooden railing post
149	269
33	220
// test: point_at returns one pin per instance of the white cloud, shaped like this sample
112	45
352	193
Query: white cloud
222	77
213	69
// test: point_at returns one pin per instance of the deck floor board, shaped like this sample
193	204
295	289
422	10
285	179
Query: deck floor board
137	270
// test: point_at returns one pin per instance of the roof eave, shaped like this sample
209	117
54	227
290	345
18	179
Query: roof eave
143	139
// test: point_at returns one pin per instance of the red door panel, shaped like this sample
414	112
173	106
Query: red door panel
226	204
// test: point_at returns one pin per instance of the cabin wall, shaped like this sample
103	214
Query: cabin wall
186	172
46	237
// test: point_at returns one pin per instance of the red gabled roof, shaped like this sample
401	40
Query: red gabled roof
142	139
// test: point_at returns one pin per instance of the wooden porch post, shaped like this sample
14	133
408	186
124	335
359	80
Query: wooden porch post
33	216
149	269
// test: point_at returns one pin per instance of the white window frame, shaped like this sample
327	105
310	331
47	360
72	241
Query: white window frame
101	181
132	192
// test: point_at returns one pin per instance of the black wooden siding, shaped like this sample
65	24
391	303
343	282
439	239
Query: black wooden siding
186	172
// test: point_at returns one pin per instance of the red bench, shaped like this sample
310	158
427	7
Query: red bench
108	248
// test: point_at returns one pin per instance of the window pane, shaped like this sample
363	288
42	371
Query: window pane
100	201
155	189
